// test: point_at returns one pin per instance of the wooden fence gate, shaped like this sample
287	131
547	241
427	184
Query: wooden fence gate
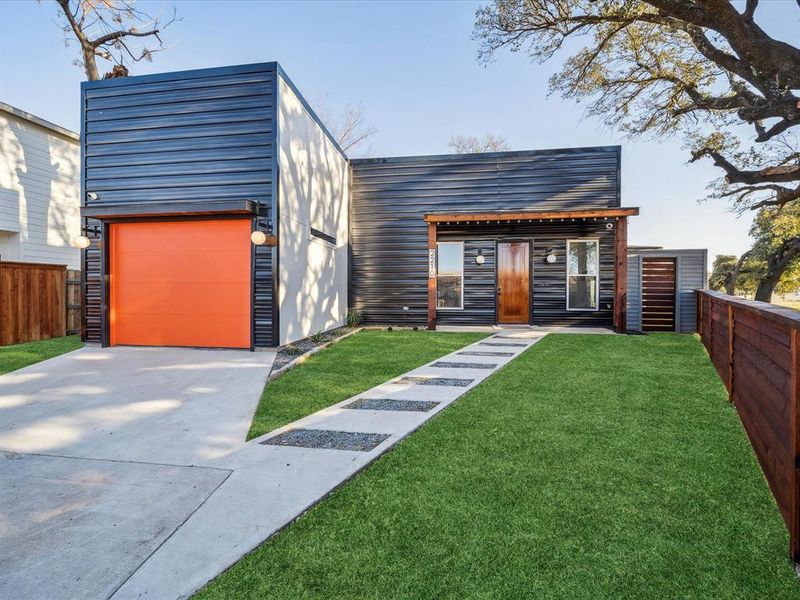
32	302
658	293
756	349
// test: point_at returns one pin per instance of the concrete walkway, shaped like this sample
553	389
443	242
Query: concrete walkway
279	476
105	452
125	473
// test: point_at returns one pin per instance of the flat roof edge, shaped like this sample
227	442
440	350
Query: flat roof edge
181	74
17	112
616	149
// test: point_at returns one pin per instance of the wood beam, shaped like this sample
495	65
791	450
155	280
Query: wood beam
621	275
432	276
597	213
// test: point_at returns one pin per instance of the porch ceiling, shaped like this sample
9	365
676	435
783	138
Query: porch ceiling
546	215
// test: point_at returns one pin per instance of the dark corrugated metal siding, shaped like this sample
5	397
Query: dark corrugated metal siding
191	135
548	281
389	237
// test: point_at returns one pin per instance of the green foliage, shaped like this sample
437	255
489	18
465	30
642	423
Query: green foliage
347	368
591	467
722	270
292	350
704	70
354	318
21	355
777	235
318	337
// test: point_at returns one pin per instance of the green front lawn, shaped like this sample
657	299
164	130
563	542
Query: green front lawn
21	355
348	368
590	467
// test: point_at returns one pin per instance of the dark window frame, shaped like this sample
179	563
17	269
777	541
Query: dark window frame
331	239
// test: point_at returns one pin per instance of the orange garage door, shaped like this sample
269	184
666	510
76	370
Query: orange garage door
180	283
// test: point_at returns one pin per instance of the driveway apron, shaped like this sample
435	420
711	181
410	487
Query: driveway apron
133	479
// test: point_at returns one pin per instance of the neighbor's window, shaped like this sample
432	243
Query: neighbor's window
583	269
450	275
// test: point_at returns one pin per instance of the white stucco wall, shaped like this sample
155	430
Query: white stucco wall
39	193
312	192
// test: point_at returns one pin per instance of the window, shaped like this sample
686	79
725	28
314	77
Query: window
450	275
583	267
331	239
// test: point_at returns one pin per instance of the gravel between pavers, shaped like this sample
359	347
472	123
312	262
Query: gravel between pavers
327	439
395	405
452	381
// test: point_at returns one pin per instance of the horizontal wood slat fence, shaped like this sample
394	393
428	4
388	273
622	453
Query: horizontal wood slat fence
32	302
755	348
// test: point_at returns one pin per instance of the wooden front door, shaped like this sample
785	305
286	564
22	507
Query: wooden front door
513	282
658	294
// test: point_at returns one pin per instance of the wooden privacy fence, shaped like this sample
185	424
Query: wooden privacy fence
32	302
756	349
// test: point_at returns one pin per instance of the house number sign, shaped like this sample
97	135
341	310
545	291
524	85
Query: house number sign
432	263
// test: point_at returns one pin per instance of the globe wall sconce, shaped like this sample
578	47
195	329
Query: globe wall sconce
480	259
81	242
259	238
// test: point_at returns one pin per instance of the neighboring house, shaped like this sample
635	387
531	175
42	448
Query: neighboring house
182	167
39	190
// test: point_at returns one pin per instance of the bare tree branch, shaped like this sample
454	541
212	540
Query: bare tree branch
117	20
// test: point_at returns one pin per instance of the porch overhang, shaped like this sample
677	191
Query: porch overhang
539	215
109	211
618	215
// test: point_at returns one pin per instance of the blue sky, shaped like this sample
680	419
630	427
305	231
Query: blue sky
413	65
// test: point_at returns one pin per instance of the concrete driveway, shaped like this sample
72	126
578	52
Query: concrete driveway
106	452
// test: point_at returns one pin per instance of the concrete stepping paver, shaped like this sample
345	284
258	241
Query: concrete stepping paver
270	485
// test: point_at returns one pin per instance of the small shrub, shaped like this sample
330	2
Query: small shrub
292	350
389	328
318	337
354	318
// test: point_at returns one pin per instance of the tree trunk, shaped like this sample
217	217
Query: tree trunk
766	286
777	263
733	277
90	64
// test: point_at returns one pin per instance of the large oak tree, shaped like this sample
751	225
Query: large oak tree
704	68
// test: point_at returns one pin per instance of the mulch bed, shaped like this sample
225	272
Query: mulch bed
289	352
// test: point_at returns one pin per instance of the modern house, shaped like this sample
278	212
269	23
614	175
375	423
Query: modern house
222	213
39	190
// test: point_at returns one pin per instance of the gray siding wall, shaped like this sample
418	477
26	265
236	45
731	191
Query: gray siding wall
634	293
389	236
692	274
192	135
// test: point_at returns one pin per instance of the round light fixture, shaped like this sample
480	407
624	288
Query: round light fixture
609	225
259	238
82	242
551	258
480	259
